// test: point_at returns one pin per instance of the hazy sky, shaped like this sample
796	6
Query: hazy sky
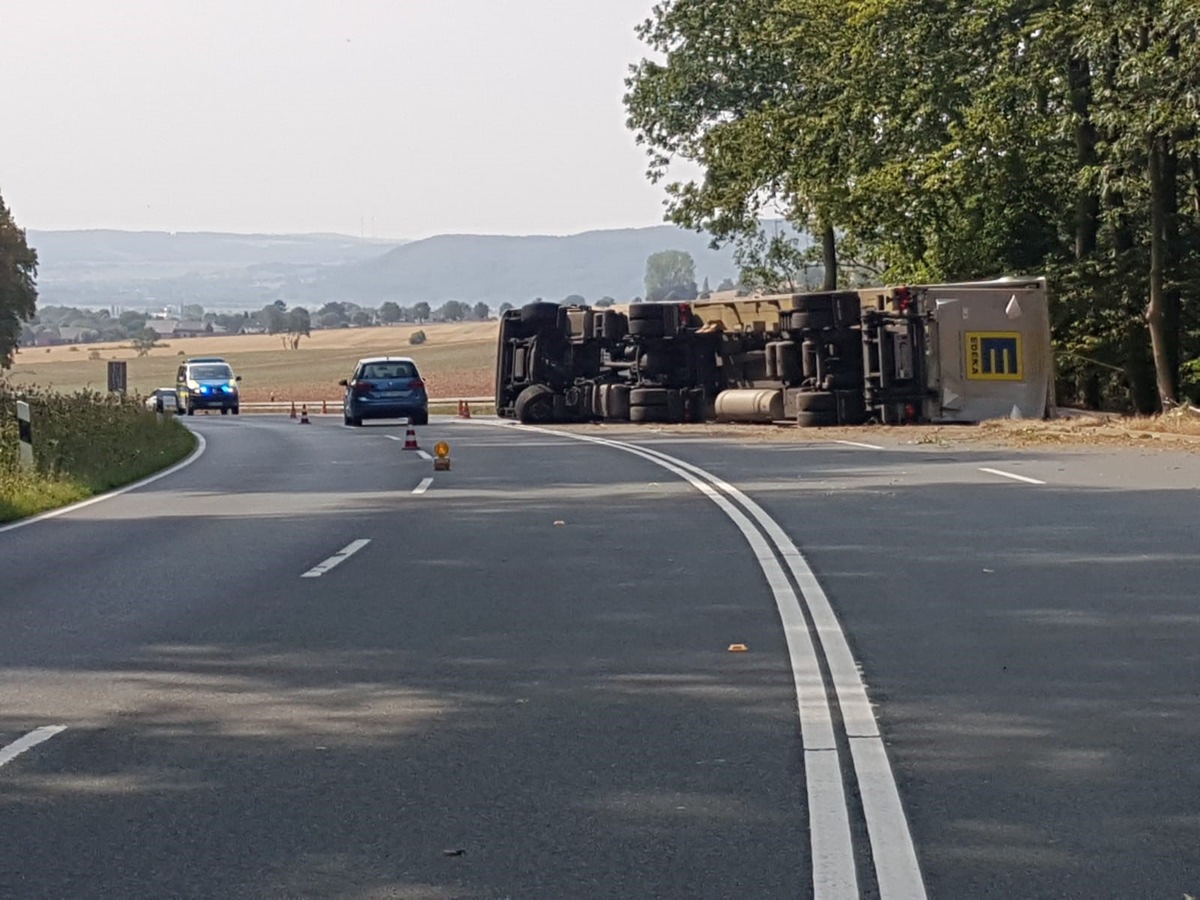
402	118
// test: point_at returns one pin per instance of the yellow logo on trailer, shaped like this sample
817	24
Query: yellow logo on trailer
994	356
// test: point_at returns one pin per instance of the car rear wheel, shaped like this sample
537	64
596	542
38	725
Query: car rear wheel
421	418
224	410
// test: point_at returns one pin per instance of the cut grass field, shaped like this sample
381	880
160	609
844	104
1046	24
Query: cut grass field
457	360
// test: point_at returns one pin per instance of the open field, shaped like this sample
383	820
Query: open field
457	360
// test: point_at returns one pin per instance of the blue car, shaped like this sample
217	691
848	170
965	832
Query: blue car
385	387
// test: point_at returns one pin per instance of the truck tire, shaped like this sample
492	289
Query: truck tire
820	419
539	312
617	403
535	405
648	414
648	397
646	327
643	311
816	402
811	319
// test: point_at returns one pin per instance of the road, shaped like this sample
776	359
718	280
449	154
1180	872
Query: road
298	667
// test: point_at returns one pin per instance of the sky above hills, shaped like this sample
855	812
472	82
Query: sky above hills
388	118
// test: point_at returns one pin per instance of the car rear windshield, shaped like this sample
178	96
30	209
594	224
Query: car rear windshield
383	371
212	372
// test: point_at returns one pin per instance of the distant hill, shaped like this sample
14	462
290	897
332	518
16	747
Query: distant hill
245	271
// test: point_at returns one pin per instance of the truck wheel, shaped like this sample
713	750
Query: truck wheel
816	419
539	312
648	397
811	319
617	403
535	405
648	414
816	402
646	328
644	311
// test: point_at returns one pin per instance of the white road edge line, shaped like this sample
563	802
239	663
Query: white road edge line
897	869
35	737
860	444
337	559
1012	475
423	486
392	437
201	445
424	455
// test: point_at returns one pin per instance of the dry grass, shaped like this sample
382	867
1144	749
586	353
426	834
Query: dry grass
456	360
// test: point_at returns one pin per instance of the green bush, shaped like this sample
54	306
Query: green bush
84	444
417	337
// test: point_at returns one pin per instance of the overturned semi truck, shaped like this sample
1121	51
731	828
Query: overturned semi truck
907	354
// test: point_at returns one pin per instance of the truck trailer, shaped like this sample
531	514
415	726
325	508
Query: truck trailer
938	353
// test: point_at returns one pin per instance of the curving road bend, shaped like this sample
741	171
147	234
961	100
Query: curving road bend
305	665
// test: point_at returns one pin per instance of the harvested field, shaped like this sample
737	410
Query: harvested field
456	360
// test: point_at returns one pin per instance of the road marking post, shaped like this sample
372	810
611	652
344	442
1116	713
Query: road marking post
25	434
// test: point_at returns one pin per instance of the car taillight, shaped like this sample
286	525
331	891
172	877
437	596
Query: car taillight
903	299
363	387
416	385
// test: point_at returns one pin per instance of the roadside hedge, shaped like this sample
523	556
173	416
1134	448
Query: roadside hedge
84	444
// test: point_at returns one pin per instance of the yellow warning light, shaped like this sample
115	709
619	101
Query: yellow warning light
738	648
441	449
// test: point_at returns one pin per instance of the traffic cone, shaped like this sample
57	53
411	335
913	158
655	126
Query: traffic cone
292	415
304	414
410	439
464	409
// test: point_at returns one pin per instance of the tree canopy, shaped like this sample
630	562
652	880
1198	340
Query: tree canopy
670	272
18	284
926	141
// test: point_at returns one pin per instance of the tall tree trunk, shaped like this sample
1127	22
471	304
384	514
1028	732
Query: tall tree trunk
1157	318
830	257
1087	204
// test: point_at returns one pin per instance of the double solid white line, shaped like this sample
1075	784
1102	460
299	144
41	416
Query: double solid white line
897	871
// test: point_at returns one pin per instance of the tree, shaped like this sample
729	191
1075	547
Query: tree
18	284
274	318
505	307
481	311
362	318
574	300
144	341
605	302
192	311
421	311
453	311
299	325
390	312
670	271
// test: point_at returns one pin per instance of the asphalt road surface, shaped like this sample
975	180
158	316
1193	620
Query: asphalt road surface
307	665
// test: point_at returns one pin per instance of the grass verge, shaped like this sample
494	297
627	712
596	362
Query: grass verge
84	444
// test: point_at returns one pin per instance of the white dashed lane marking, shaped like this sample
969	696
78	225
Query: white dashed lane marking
337	559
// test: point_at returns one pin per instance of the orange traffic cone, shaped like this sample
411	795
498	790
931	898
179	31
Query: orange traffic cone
410	439
292	415
304	414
